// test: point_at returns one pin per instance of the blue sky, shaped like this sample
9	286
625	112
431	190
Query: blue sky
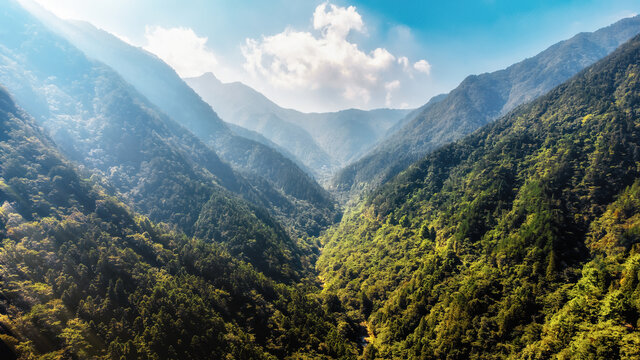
318	56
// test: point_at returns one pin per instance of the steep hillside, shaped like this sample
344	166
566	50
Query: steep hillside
519	241
351	132
81	276
324	142
253	135
159	83
410	116
160	168
478	100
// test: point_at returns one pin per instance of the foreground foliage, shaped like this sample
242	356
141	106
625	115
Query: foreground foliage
81	276
520	241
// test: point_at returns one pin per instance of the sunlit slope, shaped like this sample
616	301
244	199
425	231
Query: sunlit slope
518	241
82	276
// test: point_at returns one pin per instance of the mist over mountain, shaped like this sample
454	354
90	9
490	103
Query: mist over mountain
498	221
285	187
478	100
159	83
324	142
162	169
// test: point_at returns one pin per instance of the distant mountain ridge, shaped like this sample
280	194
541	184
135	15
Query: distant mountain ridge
324	142
159	83
479	99
285	188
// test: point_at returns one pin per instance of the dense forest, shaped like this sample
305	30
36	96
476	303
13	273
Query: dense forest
520	241
499	221
82	276
158	167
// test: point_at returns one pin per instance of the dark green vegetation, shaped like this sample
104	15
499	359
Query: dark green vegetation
520	241
124	235
157	166
81	276
477	101
324	142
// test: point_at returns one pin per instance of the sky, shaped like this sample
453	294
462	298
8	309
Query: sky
319	56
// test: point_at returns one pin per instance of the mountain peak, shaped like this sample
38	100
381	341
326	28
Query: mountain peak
208	76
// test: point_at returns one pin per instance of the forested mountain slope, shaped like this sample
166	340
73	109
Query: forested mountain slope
480	99
243	106
324	142
159	167
81	276
159	83
518	241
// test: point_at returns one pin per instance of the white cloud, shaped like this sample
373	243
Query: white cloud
423	66
404	61
390	87
181	48
338	21
326	62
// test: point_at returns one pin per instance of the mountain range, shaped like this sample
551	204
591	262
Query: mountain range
145	216
324	142
284	186
478	100
160	84
83	276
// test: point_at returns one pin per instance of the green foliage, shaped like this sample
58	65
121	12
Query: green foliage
149	161
535	248
82	276
520	241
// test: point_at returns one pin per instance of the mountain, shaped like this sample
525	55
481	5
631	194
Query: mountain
410	116
160	84
324	142
478	100
144	157
255	136
519	241
245	107
85	277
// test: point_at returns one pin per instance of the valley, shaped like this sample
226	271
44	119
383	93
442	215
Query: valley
149	214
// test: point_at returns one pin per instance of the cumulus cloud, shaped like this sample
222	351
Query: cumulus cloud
326	61
181	48
423	66
338	21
